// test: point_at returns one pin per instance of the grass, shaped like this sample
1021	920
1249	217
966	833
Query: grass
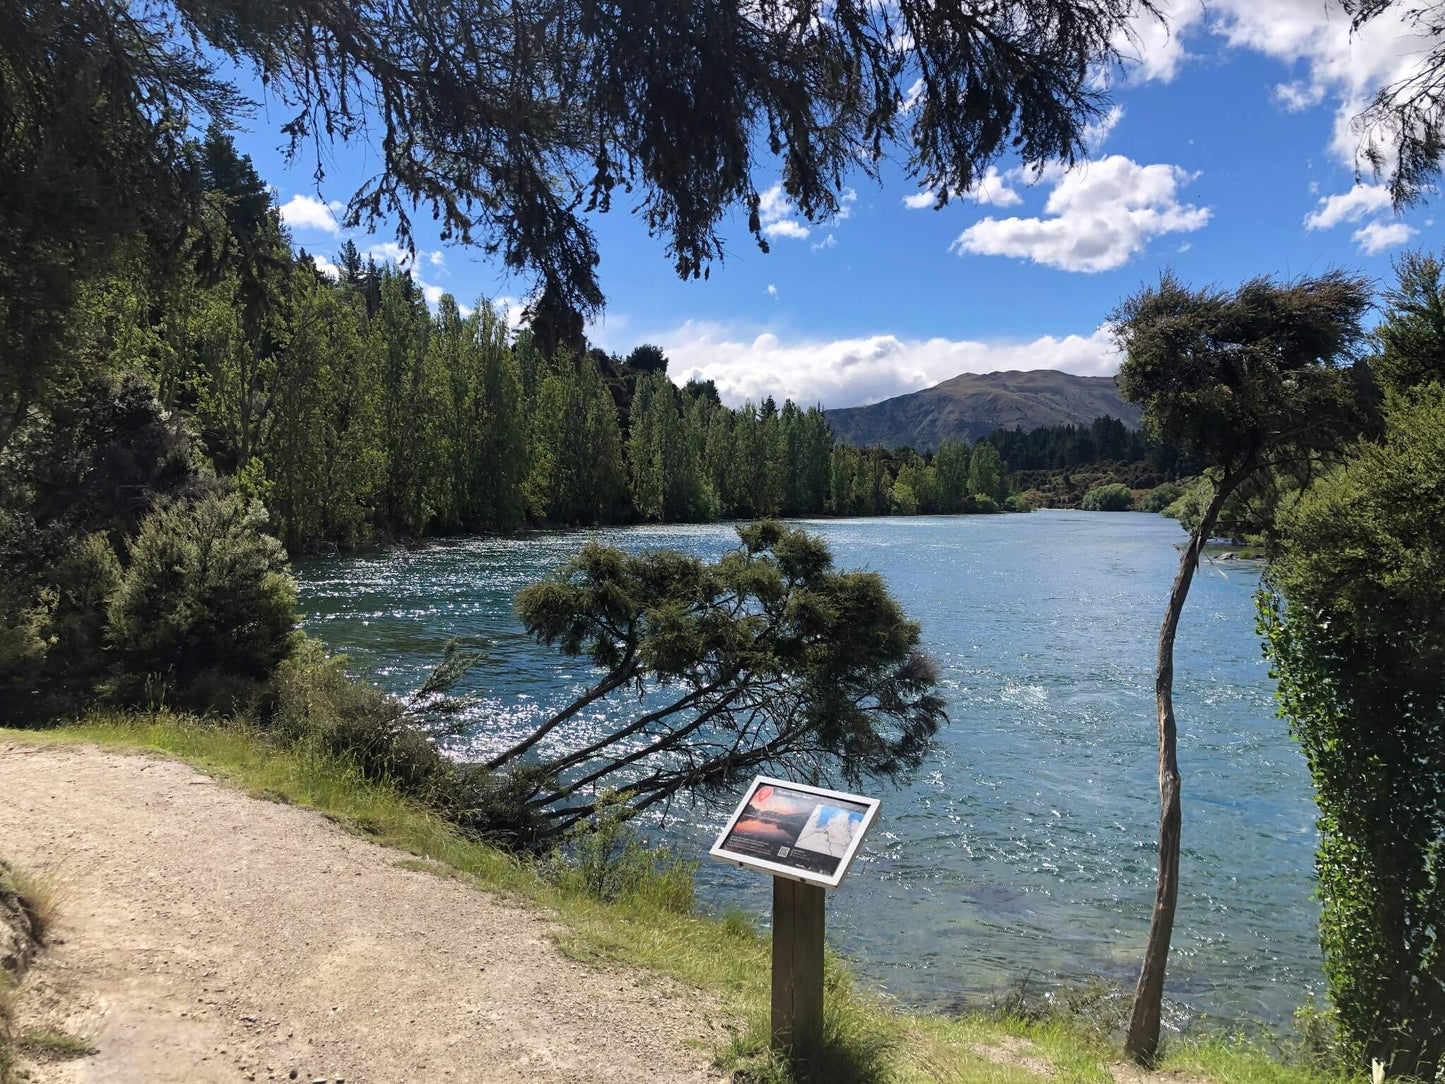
867	1040
48	1044
8	1053
39	897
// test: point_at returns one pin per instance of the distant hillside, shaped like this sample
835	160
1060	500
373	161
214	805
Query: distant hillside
971	406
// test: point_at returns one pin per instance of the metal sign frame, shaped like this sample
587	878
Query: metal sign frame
792	873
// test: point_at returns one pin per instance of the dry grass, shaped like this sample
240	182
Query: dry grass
40	896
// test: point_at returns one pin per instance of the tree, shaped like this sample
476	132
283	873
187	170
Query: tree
94	165
767	659
206	596
1402	133
720	95
1249	381
648	359
1112	497
1412	339
644	445
1354	622
950	466
1352	616
985	472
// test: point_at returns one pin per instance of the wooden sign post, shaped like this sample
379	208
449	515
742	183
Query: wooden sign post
805	837
797	967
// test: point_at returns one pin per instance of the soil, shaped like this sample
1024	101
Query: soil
208	936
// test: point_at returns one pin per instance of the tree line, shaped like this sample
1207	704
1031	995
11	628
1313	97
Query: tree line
351	409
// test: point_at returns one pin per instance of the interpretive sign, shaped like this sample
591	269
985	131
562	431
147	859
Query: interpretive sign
792	830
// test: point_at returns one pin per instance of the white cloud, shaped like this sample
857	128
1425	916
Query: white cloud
1339	64
1097	134
1375	237
828	242
1297	96
1154	49
914	95
1351	206
772	290
302	212
787	227
326	267
1101	214
777	215
991	189
852	371
1360	201
779	218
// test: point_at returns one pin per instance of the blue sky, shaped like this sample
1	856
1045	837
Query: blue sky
1230	153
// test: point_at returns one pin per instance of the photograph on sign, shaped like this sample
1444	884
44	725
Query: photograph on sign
796	830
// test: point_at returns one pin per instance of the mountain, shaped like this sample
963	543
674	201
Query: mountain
973	405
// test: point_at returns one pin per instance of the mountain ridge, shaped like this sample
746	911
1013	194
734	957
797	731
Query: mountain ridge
970	406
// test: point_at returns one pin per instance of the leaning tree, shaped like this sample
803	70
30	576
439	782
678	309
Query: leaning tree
766	659
1254	381
510	123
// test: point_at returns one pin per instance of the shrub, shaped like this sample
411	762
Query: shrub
206	597
85	579
313	701
607	859
1114	497
1019	502
1160	497
983	503
1354	622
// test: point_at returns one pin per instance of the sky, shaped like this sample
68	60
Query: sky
1228	153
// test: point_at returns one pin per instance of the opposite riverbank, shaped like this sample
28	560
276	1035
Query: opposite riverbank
370	954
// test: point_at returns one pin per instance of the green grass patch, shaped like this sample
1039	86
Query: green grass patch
48	1044
727	957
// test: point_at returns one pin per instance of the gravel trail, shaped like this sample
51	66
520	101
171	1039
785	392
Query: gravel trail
208	936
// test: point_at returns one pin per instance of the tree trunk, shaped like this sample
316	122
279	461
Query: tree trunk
1142	1042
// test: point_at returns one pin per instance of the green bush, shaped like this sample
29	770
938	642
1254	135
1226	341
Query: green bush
1354	622
1160	497
606	858
1114	497
206	601
1018	502
312	701
982	502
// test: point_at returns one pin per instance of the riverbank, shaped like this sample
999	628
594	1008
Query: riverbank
216	871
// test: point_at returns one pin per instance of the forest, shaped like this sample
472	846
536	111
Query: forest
335	395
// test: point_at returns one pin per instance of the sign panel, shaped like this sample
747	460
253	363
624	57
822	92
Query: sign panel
792	830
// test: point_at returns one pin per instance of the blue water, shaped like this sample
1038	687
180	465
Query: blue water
1026	845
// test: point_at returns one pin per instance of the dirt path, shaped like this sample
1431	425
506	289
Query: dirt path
208	936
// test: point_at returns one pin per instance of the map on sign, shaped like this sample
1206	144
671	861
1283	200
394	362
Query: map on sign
793	830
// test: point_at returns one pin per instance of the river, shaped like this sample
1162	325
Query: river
1026	845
